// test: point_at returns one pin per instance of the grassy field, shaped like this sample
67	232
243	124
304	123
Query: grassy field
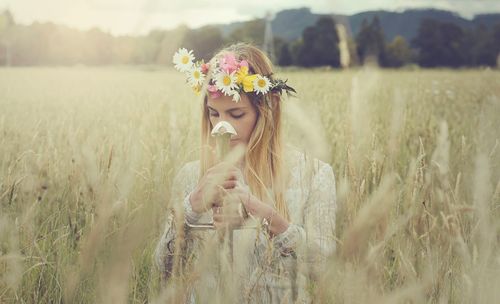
87	156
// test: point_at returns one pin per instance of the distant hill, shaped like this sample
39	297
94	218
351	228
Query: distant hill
289	24
488	20
406	23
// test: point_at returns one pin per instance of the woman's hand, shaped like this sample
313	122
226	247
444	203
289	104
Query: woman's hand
227	215
256	208
212	188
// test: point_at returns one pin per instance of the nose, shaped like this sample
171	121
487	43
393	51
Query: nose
222	117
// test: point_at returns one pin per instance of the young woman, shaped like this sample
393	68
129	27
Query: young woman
292	196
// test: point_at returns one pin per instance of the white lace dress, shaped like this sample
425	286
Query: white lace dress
269	270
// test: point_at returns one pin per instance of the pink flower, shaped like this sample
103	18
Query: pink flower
228	63
243	63
214	93
205	67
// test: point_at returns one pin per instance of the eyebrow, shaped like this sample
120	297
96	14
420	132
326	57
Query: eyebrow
229	110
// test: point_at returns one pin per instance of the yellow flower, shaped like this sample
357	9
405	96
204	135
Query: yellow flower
242	77
197	89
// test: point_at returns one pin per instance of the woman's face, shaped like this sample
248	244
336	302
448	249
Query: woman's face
241	115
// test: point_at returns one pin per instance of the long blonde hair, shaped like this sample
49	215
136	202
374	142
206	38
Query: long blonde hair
264	158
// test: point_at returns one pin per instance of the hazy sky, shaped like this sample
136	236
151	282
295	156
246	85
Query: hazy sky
139	16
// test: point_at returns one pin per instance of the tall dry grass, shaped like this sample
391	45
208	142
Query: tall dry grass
87	157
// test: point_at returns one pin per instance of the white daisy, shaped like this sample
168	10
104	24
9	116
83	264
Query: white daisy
225	82
236	95
214	67
196	76
183	60
261	84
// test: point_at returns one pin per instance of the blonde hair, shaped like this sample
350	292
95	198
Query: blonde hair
264	162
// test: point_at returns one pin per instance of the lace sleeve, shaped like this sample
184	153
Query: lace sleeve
191	216
178	211
316	232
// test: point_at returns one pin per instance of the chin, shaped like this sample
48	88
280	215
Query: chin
236	142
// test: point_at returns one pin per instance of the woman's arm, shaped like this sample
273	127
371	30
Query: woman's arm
166	254
191	216
316	232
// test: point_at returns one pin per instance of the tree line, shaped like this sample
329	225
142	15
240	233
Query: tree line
436	44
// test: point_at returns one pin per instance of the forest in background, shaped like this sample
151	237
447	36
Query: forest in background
437	43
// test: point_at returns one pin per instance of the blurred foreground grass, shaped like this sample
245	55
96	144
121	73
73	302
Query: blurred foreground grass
87	156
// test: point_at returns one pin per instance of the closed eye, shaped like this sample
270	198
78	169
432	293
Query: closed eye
234	116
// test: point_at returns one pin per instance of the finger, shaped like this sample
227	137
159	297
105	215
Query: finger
216	204
221	217
226	169
217	225
237	192
221	224
232	176
229	184
232	190
222	193
225	176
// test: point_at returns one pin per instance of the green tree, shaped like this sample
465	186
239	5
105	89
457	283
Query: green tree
6	20
65	46
319	45
123	49
170	43
250	31
31	43
146	48
295	47
484	45
285	57
496	43
204	41
6	24
397	53
440	44
97	47
477	46
370	41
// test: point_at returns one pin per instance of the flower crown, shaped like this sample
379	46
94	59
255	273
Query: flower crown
231	77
